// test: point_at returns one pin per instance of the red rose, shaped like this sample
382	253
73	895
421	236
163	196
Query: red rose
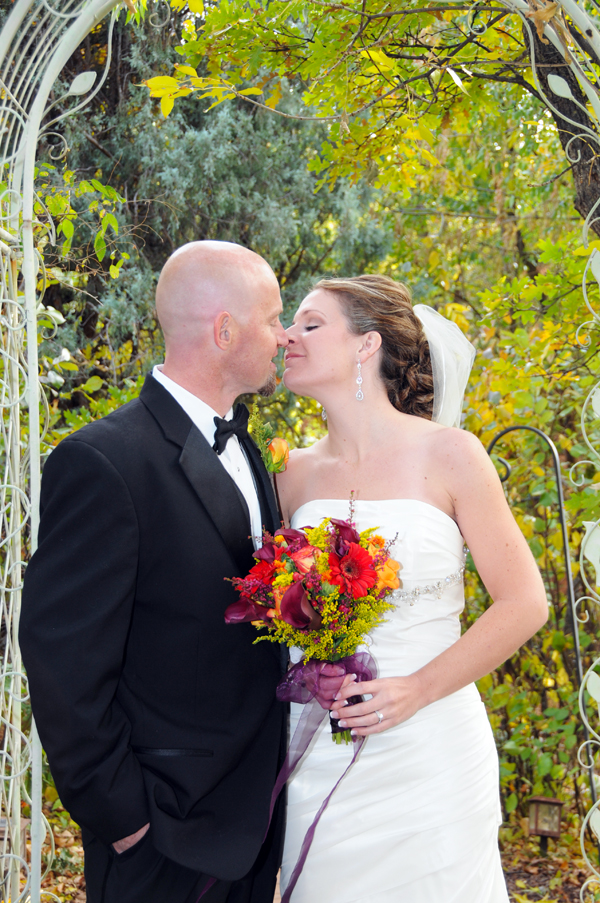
304	558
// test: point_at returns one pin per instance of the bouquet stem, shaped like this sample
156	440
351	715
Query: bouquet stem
343	734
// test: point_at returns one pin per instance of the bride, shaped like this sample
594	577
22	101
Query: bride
416	818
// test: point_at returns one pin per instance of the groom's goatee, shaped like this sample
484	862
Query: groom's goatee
269	387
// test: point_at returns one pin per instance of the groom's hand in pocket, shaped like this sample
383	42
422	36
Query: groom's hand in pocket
119	846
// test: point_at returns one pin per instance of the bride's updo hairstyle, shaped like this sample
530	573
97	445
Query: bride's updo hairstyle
379	304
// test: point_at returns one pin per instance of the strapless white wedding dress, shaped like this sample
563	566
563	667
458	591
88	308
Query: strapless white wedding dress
416	818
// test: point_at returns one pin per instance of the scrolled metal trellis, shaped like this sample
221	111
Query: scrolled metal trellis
586	759
36	41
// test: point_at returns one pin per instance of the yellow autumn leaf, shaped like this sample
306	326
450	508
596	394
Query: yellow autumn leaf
187	70
160	84
456	79
380	59
166	104
220	100
275	97
426	134
196	6
585	252
429	157
161	81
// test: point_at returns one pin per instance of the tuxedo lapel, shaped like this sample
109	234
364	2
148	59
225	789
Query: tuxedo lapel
268	506
208	478
219	495
270	517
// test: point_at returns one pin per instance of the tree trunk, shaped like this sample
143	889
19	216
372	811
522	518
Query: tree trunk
582	151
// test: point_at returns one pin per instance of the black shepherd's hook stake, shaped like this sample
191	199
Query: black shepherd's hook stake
567	557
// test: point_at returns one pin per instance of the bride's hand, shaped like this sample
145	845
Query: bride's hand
394	698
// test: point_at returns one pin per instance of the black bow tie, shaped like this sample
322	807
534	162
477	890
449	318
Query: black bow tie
237	426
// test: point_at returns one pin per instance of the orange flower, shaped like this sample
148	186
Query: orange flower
387	576
278	453
376	544
278	594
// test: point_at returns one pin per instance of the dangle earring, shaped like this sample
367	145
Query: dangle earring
323	415
360	394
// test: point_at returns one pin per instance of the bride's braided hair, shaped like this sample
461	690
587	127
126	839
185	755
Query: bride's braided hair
379	304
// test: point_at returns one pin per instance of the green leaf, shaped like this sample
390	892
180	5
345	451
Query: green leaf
544	764
67	228
100	246
110	220
93	384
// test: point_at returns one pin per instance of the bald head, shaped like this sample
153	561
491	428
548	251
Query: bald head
218	305
200	280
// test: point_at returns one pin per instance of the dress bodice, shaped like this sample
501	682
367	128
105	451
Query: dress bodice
429	546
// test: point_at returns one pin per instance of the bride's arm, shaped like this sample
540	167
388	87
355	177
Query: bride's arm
510	574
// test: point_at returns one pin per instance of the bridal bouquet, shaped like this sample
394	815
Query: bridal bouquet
321	589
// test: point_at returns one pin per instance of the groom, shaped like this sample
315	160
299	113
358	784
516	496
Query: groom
160	721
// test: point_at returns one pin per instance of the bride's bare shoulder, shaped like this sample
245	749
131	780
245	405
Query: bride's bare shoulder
460	455
450	438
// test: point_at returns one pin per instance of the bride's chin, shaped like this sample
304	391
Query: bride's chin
289	382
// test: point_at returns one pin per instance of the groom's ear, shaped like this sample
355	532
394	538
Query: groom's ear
223	330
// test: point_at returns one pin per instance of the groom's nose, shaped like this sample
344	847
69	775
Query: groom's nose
282	337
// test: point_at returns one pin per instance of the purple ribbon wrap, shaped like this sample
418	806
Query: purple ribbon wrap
314	684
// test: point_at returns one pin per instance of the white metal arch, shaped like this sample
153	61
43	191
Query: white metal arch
37	40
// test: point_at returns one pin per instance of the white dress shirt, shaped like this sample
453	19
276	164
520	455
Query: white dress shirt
232	457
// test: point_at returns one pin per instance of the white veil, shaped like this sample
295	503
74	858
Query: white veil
452	357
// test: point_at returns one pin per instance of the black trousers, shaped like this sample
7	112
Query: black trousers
144	875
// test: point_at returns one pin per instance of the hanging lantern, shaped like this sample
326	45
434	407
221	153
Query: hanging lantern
544	819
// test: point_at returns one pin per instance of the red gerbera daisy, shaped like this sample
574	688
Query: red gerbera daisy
263	571
354	572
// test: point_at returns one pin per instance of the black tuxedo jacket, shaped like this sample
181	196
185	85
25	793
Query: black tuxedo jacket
150	707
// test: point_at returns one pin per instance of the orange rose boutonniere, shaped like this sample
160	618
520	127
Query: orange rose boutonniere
273	449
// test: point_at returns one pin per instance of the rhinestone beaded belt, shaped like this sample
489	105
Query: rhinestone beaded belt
432	589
